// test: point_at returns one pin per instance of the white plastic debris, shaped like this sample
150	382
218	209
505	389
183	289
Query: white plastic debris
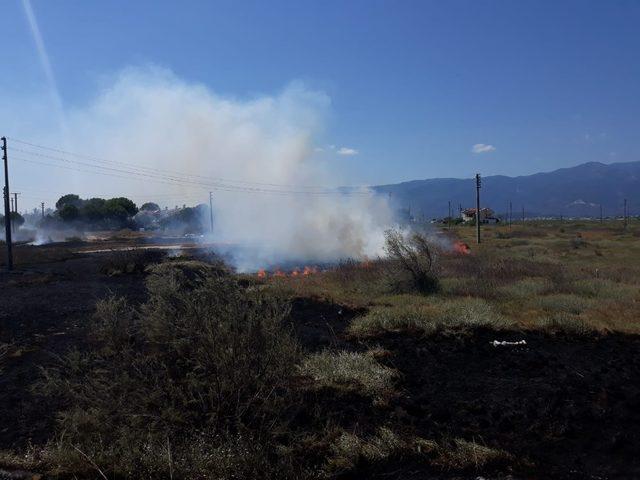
503	343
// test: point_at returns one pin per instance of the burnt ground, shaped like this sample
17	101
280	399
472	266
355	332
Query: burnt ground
42	312
568	407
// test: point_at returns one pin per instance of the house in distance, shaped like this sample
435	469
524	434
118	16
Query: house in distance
486	215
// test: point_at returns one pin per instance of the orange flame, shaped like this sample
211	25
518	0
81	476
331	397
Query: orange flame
309	270
461	247
295	273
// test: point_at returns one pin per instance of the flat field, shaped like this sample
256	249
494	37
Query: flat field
111	363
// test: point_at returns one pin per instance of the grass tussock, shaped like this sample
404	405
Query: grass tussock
565	323
564	303
440	315
463	455
350	370
350	452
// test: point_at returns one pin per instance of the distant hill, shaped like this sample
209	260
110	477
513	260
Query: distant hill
575	191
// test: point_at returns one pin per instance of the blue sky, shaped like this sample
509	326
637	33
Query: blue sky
413	85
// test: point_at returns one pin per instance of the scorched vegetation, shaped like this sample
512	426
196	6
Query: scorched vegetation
515	357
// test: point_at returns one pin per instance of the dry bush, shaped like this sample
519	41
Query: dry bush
122	262
200	365
413	262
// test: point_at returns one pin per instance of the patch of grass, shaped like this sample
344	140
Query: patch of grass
397	318
440	314
470	313
566	303
606	290
526	288
349	450
460	455
565	323
350	370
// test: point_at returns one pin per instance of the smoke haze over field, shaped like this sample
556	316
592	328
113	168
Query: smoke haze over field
148	117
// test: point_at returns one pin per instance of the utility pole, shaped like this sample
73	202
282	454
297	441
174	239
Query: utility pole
11	208
510	213
600	213
211	210
624	214
15	201
7	212
478	207
523	214
42	206
449	217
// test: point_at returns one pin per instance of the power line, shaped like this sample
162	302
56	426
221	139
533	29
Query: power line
174	173
171	180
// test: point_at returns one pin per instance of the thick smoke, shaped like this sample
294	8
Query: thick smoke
151	118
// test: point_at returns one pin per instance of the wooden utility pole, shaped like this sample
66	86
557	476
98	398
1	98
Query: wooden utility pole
15	201
624	214
478	207
7	211
211	210
600	213
42	206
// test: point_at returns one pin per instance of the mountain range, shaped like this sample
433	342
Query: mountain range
572	192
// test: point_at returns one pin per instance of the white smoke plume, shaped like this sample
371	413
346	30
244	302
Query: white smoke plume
149	117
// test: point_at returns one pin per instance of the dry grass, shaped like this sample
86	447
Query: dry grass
350	370
519	277
441	313
350	450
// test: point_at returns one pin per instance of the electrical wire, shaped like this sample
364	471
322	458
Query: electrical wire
164	179
322	189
